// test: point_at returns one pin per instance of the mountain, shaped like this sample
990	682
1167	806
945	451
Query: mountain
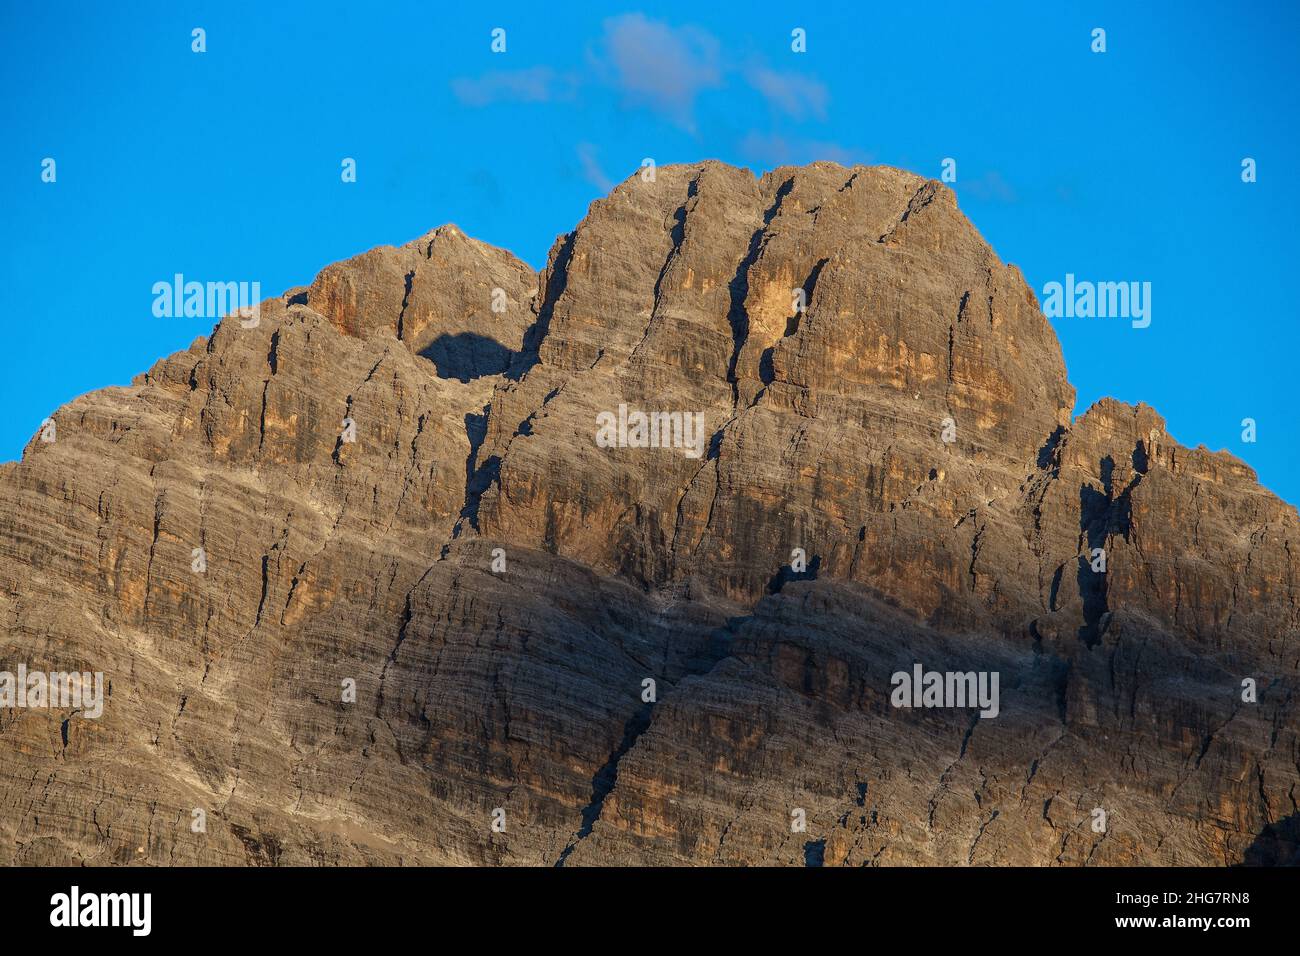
480	622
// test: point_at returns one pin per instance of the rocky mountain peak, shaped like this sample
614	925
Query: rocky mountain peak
760	442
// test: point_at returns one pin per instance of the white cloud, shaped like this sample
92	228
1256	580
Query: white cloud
660	66
990	187
540	84
794	94
777	150
591	170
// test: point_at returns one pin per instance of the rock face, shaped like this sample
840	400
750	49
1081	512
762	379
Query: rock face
569	653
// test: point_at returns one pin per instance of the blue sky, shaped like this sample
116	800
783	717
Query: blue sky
225	165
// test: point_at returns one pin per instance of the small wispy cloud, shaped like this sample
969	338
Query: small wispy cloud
658	65
793	94
591	170
774	149
991	187
540	84
665	68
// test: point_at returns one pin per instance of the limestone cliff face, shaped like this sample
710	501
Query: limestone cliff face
875	388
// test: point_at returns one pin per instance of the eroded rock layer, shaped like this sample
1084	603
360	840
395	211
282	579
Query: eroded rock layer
874	387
